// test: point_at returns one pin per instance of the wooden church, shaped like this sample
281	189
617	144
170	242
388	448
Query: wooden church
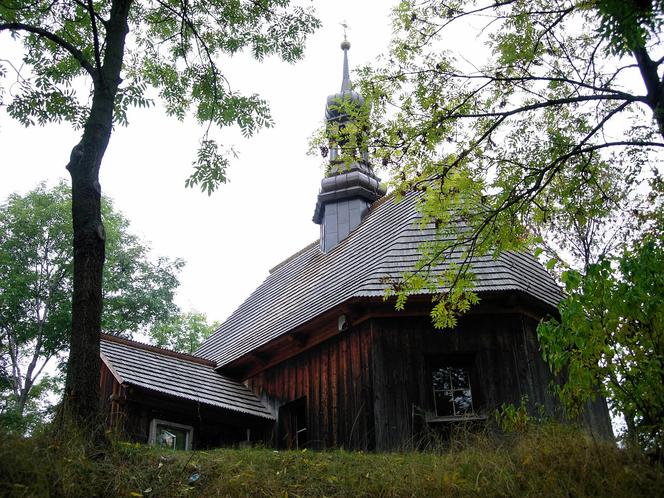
316	358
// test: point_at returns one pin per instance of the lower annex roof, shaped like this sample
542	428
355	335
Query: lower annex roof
179	375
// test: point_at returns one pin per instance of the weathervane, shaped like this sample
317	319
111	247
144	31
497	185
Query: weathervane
344	24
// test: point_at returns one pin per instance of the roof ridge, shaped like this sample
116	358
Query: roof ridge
157	349
380	201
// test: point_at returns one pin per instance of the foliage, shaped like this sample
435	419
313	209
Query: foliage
512	418
547	141
172	56
37	411
183	332
36	281
610	339
550	461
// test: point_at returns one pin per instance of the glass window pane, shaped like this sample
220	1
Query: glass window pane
460	378
172	437
443	402
451	391
463	402
441	379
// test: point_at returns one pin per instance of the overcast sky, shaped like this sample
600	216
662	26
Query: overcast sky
231	239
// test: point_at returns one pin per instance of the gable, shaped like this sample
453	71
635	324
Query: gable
383	247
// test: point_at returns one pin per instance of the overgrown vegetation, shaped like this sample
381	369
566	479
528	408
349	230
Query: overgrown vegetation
551	460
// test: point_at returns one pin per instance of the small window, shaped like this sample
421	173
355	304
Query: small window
452	396
171	435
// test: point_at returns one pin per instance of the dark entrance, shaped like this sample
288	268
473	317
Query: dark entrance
293	424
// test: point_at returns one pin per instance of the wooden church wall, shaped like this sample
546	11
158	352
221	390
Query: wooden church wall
370	387
500	352
129	411
335	378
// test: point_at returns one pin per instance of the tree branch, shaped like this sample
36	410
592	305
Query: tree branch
547	103
95	34
61	42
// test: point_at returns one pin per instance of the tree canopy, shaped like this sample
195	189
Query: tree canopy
183	332
131	53
36	272
544	138
610	339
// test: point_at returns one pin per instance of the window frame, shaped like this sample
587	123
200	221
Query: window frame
451	391
153	432
465	360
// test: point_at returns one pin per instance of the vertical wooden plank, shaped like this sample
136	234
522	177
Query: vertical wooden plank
324	395
343	405
370	393
377	375
306	377
298	382
318	403
292	378
334	391
355	379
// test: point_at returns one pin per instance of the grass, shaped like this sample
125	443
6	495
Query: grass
548	461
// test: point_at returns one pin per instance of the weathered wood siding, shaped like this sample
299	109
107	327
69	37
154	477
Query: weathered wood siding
335	377
129	411
500	351
503	357
370	387
110	393
212	427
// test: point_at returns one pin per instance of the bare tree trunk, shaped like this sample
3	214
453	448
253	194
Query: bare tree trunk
81	397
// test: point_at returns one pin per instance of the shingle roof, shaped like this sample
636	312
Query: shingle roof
385	245
175	375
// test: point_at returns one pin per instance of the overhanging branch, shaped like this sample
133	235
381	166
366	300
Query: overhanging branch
61	42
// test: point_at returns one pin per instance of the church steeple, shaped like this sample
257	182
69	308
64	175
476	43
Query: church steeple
350	185
345	81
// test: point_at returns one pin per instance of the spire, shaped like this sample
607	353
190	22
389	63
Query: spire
345	46
350	185
336	110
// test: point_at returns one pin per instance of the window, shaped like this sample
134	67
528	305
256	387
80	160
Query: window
452	396
171	435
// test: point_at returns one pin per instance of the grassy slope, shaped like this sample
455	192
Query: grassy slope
552	461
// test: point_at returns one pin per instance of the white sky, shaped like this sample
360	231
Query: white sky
231	239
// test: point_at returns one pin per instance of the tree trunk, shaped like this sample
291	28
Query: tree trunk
81	398
654	85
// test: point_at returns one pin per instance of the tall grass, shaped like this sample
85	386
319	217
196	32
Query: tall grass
552	460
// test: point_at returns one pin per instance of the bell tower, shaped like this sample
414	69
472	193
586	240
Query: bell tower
350	186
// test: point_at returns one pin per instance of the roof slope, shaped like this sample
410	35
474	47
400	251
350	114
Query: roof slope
144	366
384	245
